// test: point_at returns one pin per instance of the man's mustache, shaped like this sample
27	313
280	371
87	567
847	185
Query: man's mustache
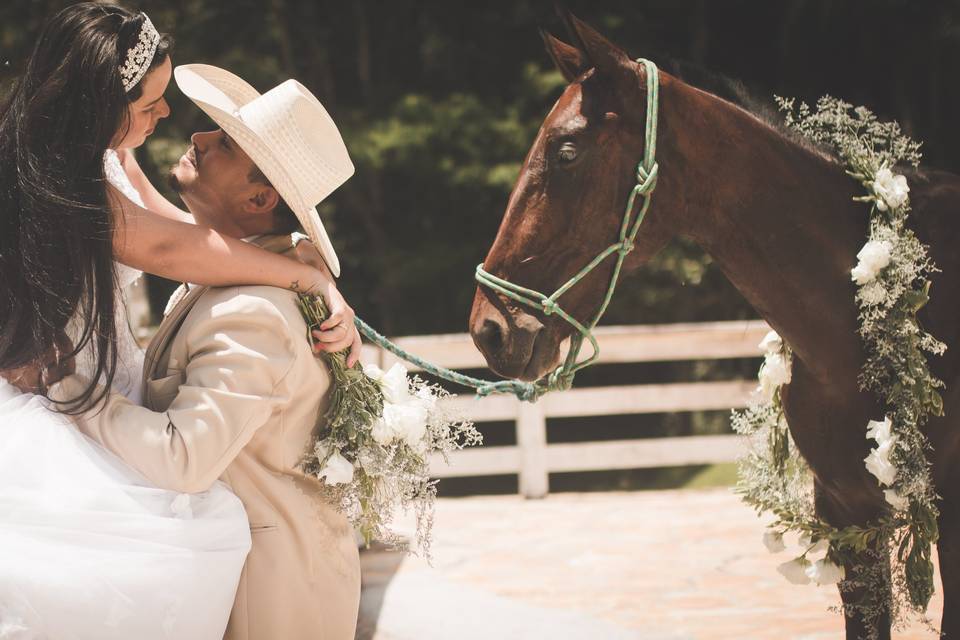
193	156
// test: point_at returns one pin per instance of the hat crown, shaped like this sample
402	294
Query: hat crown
286	132
313	150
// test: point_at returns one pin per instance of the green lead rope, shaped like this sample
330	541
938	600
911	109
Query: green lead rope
528	391
562	377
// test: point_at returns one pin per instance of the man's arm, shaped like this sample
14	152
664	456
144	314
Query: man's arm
239	357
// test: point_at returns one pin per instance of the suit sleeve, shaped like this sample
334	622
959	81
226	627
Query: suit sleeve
239	357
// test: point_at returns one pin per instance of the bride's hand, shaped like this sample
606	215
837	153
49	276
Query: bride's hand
338	332
37	376
28	379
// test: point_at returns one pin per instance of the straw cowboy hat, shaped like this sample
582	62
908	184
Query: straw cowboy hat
286	132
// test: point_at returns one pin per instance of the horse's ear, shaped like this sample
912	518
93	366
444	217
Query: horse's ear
569	60
607	58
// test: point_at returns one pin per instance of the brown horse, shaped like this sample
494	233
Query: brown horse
777	217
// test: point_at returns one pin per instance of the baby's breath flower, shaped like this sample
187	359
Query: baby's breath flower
892	274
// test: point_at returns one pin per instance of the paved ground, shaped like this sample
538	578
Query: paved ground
643	565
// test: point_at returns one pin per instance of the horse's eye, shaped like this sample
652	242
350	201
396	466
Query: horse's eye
567	152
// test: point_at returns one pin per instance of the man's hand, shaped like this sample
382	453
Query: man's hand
338	331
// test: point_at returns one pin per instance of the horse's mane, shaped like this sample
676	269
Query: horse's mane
738	93
763	108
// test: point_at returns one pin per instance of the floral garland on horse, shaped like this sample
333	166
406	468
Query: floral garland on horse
892	278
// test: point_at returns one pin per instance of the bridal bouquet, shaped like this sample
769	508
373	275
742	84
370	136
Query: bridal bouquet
372	447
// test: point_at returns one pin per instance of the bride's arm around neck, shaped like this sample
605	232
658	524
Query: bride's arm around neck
178	250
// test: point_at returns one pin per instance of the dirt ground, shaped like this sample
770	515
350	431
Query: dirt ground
685	564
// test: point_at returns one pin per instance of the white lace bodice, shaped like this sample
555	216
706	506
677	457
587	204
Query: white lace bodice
127	379
117	177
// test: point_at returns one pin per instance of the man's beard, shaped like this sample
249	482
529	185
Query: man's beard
173	181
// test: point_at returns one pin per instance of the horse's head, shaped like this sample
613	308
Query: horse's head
568	205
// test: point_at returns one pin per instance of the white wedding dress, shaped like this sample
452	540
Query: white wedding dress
88	549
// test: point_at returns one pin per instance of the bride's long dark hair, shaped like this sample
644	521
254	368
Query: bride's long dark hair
56	230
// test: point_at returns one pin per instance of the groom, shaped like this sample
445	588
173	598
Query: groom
232	388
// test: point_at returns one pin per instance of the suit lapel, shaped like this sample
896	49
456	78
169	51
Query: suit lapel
155	364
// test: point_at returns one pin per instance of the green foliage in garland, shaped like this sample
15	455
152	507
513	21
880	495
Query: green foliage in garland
893	285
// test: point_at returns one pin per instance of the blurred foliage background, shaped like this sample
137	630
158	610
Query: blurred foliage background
438	101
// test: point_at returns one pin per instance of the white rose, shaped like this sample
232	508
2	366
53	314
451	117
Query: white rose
396	389
806	543
382	431
795	571
337	470
373	371
408	421
875	254
773	541
880	431
891	189
766	391
776	369
878	463
321	450
873	294
825	572
895	500
774	373
771	343
861	275
873	257
820	546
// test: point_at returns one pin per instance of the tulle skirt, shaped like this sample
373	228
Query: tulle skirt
89	550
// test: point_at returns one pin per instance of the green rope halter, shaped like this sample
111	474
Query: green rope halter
562	377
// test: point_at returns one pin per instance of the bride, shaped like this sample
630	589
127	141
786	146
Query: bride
90	549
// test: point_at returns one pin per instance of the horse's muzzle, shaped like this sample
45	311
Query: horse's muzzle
506	340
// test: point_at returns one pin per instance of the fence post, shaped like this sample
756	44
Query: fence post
532	441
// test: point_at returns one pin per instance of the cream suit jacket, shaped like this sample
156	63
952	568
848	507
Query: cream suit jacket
233	392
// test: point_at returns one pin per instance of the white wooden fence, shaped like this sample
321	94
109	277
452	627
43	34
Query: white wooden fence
533	459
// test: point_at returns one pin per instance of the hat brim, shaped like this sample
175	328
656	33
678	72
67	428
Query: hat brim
220	94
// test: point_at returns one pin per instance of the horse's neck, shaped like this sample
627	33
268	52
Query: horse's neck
779	221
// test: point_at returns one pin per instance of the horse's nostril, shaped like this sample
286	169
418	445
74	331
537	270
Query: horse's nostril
490	336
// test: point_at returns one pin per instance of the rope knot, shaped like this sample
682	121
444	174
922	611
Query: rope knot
549	306
647	179
560	380
627	246
527	392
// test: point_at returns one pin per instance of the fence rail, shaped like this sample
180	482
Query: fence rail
533	459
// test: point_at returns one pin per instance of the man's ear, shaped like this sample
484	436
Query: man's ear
263	200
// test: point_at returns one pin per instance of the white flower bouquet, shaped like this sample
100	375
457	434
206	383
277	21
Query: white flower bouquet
372	447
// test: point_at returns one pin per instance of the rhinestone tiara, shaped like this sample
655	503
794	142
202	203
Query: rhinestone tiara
140	55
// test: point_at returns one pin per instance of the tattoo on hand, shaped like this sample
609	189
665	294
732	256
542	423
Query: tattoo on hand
295	286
